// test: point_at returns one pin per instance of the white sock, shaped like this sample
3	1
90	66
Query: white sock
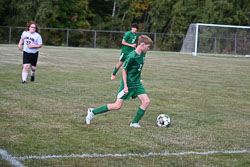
24	76
32	73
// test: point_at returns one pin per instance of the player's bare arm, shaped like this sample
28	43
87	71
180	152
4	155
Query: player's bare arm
34	46
127	44
20	45
124	76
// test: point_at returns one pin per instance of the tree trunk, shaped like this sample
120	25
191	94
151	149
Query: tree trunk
113	13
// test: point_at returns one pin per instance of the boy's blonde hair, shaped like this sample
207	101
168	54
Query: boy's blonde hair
145	39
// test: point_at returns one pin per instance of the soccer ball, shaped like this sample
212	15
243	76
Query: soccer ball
163	120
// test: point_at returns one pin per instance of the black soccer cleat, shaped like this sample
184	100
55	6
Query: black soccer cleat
32	78
23	82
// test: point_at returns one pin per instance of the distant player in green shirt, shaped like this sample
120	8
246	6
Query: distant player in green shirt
128	45
130	85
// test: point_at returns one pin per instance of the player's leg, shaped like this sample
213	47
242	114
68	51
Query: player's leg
115	106
26	65
33	66
145	102
32	73
117	67
123	57
107	107
25	73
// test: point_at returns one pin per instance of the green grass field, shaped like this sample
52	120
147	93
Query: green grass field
207	98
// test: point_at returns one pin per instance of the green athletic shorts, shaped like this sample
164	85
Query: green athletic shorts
132	92
123	56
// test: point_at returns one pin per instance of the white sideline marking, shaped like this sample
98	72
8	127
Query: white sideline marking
130	155
10	158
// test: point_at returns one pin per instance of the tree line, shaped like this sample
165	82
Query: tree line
161	16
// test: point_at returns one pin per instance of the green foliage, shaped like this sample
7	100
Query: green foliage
167	16
47	13
101	13
161	16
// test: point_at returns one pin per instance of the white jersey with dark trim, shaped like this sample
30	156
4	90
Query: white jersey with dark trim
31	38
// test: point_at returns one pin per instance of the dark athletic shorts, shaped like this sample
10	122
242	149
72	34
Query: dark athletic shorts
30	58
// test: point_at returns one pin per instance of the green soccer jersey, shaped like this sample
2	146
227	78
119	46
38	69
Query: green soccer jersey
130	38
133	65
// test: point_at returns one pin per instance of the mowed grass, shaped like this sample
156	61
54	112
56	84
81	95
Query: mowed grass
207	99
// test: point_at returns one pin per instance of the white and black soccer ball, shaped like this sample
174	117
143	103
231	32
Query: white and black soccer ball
163	120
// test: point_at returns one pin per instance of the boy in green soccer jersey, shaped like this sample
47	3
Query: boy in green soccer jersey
130	85
128	45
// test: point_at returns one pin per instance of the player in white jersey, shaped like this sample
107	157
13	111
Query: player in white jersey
29	43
